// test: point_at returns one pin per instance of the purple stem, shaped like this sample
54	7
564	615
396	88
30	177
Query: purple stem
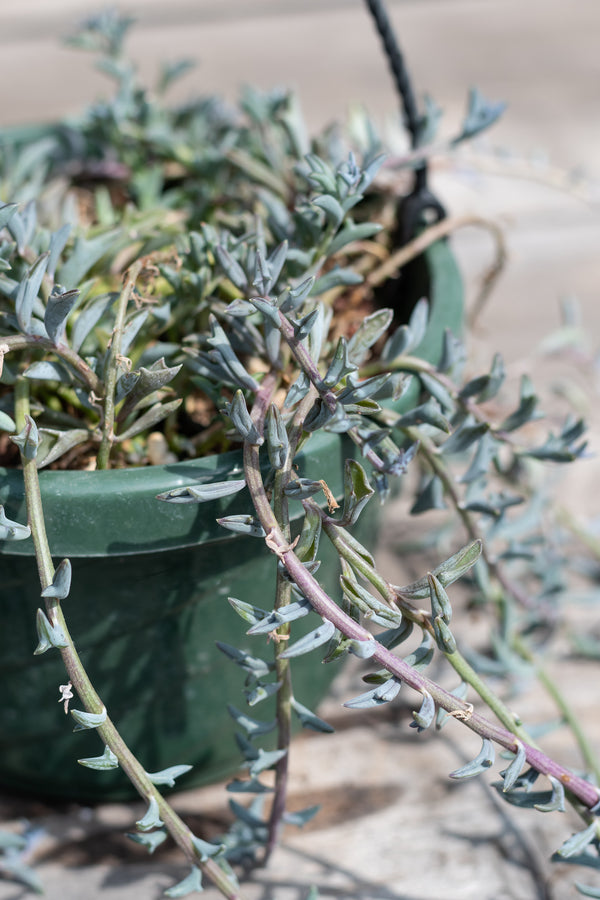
328	609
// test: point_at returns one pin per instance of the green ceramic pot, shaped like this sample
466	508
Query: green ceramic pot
147	603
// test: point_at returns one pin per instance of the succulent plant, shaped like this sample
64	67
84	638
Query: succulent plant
177	282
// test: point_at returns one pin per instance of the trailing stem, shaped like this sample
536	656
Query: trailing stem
328	609
13	342
80	680
419	617
114	363
283	675
282	634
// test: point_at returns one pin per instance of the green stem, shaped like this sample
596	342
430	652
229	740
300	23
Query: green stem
578	531
566	711
430	452
113	365
80	680
283	674
281	635
509	719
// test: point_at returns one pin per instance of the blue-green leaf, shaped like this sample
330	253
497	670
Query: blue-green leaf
480	115
310	641
440	602
422	656
249	815
353	232
57	310
297	390
464	436
191	884
269	622
578	842
249	786
12	531
277	437
150	841
48	635
331	207
557	800
587	890
151	818
265	759
394	636
252	727
526	411
241	524
447	572
228	358
357	491
22	225
57	244
203	493
486	386
371	328
486	452
261	692
85	254
61	583
301	817
340	365
362	649
426	414
7	211
168	776
150	418
89	317
484	760
381	694
47	370
417	324
251	664
240	417
357	391
248	612
292	298
512	772
443	636
28	439
6	422
88	720
302	488
108	760
27	294
430	496
309	719
304	326
335	277
369	606
13	867
426	714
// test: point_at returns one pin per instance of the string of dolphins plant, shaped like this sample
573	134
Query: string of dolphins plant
340	626
255	291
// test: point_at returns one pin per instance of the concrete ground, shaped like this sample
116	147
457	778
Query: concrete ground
542	57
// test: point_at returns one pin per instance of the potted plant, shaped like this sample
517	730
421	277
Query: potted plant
193	201
197	361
